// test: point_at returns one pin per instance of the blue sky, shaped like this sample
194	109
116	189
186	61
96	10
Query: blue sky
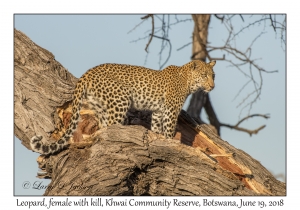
80	42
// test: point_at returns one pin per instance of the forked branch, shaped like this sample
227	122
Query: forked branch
250	132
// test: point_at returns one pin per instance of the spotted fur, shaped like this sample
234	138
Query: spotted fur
111	89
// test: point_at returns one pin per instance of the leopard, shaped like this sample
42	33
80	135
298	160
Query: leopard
112	89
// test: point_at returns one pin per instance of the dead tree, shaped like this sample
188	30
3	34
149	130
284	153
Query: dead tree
236	57
123	159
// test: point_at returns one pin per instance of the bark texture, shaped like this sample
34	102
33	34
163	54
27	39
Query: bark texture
124	159
41	84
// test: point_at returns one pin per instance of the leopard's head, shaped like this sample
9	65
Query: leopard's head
202	75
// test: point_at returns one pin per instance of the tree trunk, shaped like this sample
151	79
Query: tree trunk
200	99
124	159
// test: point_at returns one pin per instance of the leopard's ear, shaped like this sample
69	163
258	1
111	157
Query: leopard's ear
192	65
212	63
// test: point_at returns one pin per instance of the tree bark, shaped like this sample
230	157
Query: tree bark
201	100
123	159
41	85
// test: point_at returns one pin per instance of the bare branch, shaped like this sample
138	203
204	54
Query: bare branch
220	17
244	129
169	50
229	17
180	48
241	90
164	29
135	27
146	58
238	67
246	98
242	18
236	127
280	26
164	35
147	16
276	25
249	25
180	21
272	23
168	25
283	35
254	40
246	59
266	116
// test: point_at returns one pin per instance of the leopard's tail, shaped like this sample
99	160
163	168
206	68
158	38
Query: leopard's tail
47	147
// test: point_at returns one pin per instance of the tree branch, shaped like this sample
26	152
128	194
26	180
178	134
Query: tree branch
170	50
273	23
220	18
266	116
242	18
145	17
250	132
245	58
180	48
135	27
244	129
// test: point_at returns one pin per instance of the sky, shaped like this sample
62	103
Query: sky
80	42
